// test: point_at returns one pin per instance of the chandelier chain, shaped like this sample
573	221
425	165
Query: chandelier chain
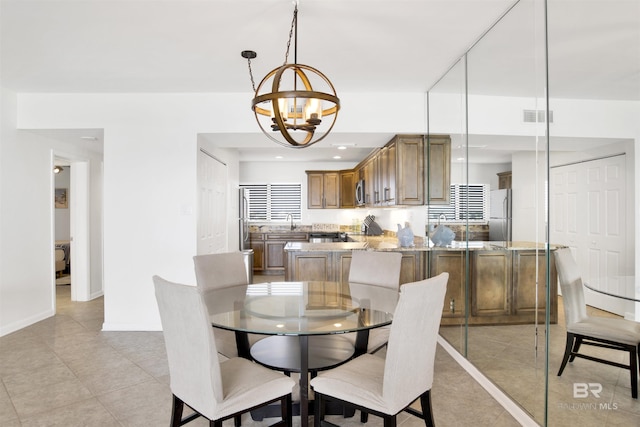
293	24
253	83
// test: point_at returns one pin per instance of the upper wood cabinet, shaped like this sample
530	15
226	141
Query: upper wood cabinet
504	180
348	189
394	175
323	189
387	174
438	178
409	171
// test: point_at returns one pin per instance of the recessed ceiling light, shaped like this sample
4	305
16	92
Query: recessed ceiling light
460	159
278	157
342	147
344	144
337	157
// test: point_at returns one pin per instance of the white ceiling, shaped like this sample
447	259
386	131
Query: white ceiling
361	45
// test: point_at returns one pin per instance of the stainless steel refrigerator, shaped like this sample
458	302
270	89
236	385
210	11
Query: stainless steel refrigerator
500	215
244	218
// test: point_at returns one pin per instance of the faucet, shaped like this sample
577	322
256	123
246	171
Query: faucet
290	216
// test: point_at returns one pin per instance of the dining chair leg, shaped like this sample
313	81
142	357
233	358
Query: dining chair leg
390	421
427	409
567	353
237	421
633	367
318	410
576	347
286	409
176	411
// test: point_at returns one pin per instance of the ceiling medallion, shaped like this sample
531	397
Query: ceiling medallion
301	107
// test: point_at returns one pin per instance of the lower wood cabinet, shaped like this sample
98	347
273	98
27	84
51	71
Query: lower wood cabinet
268	251
454	263
491	279
496	286
501	286
334	266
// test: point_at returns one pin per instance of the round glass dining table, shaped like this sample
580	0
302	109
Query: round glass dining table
305	312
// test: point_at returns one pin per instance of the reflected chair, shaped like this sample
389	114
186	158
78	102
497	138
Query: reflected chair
386	387
222	270
213	389
61	263
376	269
582	329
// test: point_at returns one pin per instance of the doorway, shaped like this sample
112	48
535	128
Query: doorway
71	225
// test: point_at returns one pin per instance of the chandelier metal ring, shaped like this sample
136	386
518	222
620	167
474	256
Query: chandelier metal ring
298	107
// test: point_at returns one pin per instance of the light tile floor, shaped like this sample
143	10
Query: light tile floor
63	371
506	355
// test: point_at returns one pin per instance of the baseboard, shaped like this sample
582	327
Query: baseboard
23	323
503	399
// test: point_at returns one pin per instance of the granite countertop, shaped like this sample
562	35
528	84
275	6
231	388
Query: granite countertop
390	243
324	246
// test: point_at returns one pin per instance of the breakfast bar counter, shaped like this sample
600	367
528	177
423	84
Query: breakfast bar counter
506	279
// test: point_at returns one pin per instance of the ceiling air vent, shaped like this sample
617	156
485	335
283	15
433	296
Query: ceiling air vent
533	116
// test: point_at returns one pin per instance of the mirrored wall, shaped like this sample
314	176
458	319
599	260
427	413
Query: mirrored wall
503	311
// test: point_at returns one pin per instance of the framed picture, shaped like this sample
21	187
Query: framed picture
60	200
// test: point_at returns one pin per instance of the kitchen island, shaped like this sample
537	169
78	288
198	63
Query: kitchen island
506	282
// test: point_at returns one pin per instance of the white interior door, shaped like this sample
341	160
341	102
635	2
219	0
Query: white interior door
212	204
589	215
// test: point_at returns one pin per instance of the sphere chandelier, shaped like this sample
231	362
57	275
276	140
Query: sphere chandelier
301	107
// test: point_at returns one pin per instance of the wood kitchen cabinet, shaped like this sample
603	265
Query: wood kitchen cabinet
491	278
335	266
256	242
371	184
501	289
409	172
348	189
387	175
438	176
525	265
323	189
504	180
268	250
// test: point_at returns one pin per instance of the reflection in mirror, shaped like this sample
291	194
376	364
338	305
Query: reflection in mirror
508	282
447	116
563	190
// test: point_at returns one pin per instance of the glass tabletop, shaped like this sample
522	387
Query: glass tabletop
301	308
622	287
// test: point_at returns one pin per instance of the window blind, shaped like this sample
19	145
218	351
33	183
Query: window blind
273	202
466	202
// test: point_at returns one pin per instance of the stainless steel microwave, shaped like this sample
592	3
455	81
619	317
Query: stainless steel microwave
360	193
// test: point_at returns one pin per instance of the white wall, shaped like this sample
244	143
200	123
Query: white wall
150	152
150	197
27	282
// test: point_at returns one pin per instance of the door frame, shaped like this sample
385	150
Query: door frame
79	197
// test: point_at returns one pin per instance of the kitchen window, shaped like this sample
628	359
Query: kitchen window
273	202
466	202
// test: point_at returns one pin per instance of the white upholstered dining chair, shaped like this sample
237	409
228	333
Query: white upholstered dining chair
222	270
583	329
215	390
386	387
374	268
